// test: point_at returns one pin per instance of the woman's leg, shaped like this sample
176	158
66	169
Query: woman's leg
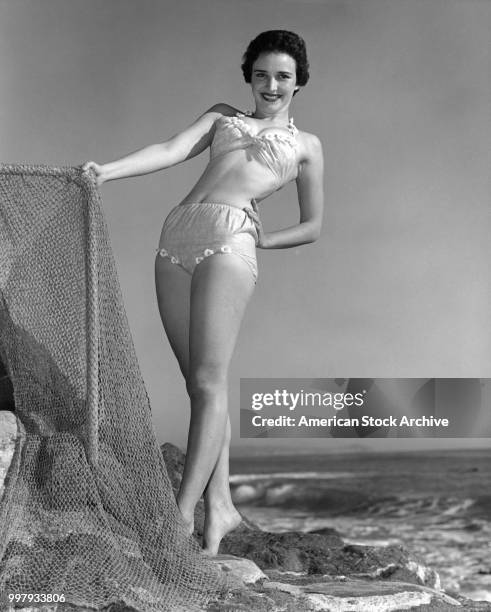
173	285
221	287
221	515
173	294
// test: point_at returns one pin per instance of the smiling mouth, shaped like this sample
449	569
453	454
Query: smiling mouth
271	97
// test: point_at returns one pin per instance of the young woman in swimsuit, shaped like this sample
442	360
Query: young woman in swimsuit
206	269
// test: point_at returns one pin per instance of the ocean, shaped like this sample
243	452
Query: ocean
436	504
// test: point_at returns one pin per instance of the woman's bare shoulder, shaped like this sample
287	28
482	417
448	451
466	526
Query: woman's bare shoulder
223	109
310	145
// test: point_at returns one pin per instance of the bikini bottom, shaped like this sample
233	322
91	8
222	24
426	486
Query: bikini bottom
197	230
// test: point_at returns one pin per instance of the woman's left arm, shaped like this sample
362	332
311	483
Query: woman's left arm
310	189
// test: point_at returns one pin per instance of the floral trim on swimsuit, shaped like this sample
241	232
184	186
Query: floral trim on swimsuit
192	232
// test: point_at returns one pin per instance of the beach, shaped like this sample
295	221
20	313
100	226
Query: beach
436	504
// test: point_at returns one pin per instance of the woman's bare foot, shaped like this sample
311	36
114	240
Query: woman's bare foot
220	519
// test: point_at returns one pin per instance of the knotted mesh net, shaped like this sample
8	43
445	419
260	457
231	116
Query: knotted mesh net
88	511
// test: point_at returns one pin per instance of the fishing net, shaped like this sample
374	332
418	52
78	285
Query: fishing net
88	511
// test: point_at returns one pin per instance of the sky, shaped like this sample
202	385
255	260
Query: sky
397	285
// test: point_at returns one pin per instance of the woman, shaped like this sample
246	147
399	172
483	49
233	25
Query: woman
202	296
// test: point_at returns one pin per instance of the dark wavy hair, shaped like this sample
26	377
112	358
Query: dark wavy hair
277	41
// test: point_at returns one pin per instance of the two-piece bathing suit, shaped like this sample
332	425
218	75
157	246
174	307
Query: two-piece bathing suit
193	231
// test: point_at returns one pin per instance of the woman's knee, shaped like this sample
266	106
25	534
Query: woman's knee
206	381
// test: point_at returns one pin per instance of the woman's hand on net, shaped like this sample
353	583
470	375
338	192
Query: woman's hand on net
97	169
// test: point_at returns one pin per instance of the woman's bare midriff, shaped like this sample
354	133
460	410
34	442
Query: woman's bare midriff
234	180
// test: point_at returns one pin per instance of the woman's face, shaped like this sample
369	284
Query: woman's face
273	82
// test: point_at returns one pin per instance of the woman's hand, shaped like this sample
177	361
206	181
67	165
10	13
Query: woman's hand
310	198
97	169
261	234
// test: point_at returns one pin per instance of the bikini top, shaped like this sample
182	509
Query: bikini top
275	148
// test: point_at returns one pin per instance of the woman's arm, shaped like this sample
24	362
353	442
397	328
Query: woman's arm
310	189
184	145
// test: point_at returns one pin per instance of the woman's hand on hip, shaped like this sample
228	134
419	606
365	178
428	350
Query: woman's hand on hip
261	234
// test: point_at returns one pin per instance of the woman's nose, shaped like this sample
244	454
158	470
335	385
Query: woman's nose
272	83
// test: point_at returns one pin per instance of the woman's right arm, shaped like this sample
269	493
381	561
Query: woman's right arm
184	145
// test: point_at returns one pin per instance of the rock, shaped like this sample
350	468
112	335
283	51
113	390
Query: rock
290	551
239	571
174	462
290	594
8	428
8	434
328	555
358	595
